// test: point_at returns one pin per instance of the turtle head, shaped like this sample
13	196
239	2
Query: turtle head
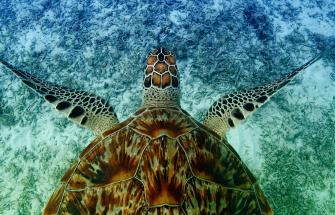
161	80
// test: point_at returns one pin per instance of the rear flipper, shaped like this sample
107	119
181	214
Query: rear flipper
81	107
232	109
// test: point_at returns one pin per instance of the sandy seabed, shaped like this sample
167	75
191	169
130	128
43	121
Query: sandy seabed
101	46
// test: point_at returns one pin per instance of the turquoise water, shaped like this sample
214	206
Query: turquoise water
101	46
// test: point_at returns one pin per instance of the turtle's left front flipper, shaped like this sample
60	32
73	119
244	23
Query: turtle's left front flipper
234	108
81	107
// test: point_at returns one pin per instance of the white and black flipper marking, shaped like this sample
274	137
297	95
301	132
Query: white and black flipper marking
232	109
79	106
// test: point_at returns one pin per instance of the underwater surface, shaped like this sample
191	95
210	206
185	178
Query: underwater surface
101	46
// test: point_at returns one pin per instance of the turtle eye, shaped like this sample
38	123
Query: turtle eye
147	81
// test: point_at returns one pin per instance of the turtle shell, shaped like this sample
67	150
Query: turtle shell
159	161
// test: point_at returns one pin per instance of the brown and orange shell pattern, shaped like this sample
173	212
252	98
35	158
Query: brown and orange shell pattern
159	161
161	70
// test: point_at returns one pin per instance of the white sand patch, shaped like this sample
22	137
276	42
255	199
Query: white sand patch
245	140
38	145
315	20
88	52
218	4
283	28
318	84
38	40
177	17
316	88
49	15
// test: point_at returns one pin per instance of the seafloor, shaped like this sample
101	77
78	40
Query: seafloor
101	46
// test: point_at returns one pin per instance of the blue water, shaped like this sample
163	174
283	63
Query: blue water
101	46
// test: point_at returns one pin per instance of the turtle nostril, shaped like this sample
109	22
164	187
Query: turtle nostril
160	57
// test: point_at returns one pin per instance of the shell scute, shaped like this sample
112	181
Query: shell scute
164	172
211	160
158	122
90	146
69	172
165	210
55	200
263	203
171	60
161	67
113	129
114	159
160	161
151	60
126	197
203	197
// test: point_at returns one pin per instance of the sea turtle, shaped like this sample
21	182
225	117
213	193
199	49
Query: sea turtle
160	160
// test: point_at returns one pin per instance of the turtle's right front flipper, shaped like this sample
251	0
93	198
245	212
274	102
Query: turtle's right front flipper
232	109
81	107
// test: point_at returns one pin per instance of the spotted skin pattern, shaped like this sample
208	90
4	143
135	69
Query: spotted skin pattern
79	106
145	166
230	110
